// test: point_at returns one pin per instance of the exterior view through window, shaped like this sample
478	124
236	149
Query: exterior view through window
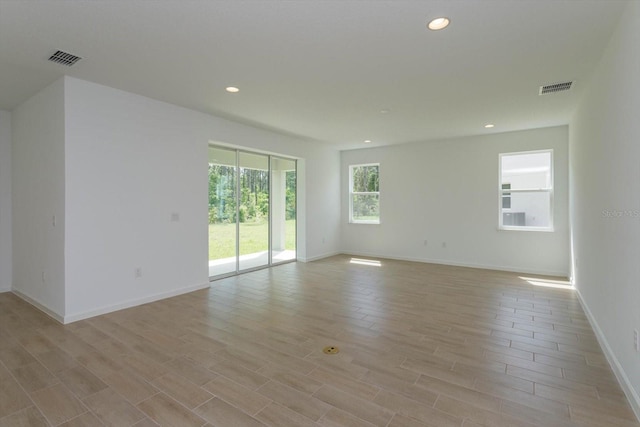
364	194
252	210
526	191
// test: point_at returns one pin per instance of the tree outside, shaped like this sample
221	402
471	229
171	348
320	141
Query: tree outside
253	210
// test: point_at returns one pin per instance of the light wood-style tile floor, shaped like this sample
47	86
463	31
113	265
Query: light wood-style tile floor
420	345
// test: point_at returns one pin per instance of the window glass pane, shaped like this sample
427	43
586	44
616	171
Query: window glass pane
365	179
528	209
253	211
283	209
506	196
366	207
526	171
222	211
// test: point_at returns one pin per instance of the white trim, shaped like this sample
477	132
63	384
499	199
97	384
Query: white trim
3	290
43	308
621	376
527	190
514	269
133	303
251	150
550	190
364	221
525	228
319	257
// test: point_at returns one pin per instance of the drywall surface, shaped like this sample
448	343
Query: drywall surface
38	210
132	162
5	202
439	202
605	208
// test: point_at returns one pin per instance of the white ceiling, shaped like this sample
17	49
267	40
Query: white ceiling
323	70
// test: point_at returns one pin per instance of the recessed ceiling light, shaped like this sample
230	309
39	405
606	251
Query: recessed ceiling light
384	111
367	141
438	24
232	89
489	125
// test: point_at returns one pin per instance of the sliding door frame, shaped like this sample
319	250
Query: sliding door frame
238	193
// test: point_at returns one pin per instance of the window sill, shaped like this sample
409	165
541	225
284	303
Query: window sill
516	228
365	222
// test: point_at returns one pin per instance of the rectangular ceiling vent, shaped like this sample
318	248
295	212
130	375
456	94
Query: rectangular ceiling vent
556	87
64	58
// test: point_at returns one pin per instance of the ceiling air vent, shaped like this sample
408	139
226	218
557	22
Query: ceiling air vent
556	87
64	58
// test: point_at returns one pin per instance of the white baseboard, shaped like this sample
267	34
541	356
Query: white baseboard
461	264
621	376
43	308
3	290
132	303
319	257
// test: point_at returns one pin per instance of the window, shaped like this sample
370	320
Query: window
364	194
526	191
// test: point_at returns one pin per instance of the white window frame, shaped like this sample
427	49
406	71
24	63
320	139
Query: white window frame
357	193
511	191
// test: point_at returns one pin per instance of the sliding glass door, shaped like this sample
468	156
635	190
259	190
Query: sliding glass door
223	234
253	216
252	211
283	210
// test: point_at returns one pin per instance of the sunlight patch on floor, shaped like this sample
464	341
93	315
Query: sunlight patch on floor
371	262
546	283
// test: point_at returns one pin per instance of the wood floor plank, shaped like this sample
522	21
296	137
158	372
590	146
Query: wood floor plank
58	404
113	409
237	395
240	374
182	390
220	413
34	376
84	420
368	411
81	381
28	417
276	415
349	385
167	412
309	406
339	418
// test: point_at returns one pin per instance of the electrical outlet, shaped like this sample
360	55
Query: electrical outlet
636	345
138	272
444	244
175	217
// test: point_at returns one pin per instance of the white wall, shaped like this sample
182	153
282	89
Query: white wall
5	202
447	191
37	196
130	163
322	200
605	209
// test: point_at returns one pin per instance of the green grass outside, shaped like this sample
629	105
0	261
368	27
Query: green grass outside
253	238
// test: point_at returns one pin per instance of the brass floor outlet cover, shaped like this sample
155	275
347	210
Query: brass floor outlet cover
331	350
